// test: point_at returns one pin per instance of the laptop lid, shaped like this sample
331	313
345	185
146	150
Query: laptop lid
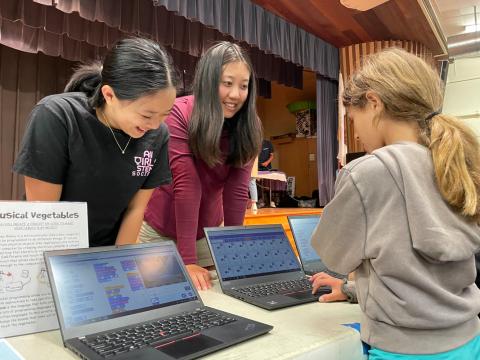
302	227
242	252
104	288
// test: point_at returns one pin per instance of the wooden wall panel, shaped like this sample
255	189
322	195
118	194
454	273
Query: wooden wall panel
24	79
298	157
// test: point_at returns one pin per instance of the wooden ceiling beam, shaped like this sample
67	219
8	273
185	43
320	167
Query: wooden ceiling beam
412	20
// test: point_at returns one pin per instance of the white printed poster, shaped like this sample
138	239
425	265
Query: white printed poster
27	229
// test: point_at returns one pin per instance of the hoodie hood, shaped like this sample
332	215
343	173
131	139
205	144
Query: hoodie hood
438	234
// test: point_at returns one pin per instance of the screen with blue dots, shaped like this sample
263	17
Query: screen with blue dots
247	252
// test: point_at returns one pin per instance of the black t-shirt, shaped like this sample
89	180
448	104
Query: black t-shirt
66	144
267	150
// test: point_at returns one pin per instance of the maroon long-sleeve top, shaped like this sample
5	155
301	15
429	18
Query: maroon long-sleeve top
199	196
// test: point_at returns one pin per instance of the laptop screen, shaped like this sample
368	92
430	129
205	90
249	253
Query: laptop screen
247	252
97	286
302	228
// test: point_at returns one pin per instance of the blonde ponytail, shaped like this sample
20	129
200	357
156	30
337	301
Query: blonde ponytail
411	91
456	160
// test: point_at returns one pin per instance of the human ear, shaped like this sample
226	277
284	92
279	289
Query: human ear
108	94
374	100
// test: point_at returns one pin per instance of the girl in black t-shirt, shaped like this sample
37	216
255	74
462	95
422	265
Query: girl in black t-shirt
103	141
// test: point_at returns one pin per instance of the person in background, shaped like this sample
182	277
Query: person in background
405	218
265	157
252	186
102	141
214	137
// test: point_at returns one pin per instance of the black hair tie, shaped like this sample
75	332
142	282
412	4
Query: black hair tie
431	115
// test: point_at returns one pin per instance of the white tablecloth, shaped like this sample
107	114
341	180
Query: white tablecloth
309	331
272	175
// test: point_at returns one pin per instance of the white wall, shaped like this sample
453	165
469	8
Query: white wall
462	91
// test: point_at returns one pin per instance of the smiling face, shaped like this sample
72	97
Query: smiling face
233	88
136	117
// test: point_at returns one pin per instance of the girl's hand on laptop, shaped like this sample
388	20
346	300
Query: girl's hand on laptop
322	279
199	276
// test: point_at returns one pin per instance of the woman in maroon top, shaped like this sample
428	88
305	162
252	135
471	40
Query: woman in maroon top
214	137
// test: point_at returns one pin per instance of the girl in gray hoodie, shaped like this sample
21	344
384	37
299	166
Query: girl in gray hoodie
405	217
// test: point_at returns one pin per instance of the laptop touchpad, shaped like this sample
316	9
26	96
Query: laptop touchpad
189	346
302	295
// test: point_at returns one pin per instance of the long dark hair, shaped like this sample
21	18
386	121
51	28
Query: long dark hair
133	67
206	123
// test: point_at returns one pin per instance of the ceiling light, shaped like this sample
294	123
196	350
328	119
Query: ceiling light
472	28
362	5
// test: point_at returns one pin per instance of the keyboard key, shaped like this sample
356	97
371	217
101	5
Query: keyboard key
274	288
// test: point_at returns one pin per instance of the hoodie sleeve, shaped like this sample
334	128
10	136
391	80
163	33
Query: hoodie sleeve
340	237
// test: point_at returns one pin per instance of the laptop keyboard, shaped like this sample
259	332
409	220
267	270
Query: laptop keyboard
279	287
155	333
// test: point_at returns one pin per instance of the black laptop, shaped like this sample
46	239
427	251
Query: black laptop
302	227
137	302
256	264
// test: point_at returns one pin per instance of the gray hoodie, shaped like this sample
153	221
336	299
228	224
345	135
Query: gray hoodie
413	256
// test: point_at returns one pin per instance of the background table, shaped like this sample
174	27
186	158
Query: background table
272	181
268	216
309	331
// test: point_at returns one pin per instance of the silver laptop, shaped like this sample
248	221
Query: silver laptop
256	264
137	302
302	227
